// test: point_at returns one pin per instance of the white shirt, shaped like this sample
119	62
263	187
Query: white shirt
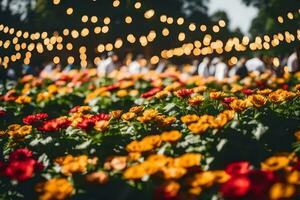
292	62
102	66
221	71
134	68
255	64
203	68
160	67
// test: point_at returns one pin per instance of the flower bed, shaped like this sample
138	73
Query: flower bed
156	136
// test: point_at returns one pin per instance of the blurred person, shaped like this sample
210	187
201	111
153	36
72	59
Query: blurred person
239	69
161	66
3	77
203	69
221	69
139	65
255	64
292	62
108	65
212	66
27	69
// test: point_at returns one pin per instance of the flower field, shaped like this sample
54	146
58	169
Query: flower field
154	136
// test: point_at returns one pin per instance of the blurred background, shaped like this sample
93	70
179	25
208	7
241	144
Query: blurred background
81	31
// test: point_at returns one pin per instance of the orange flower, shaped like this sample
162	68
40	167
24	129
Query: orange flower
171	136
282	191
23	99
188	119
116	114
258	100
275	163
101	125
97	177
188	160
70	164
128	116
198	128
122	93
171	172
54	189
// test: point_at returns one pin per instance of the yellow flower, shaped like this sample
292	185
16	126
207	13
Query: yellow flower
258	100
194	101
23	99
52	89
188	119
275	163
25	130
162	94
18	131
236	88
83	109
128	116
136	109
216	95
282	191
264	92
199	89
133	93
54	189
122	93
171	136
240	105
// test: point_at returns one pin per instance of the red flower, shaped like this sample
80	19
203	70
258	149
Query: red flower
20	170
151	93
184	93
296	166
20	155
74	109
238	168
237	187
101	116
112	87
260	182
285	86
31	119
228	100
2	113
161	193
86	123
2	168
247	91
54	124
